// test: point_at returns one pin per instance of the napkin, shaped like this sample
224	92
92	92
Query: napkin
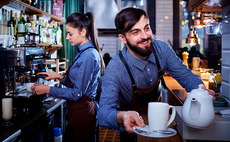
225	113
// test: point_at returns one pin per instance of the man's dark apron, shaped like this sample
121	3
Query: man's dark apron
140	99
81	116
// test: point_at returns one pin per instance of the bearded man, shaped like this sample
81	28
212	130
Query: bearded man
131	79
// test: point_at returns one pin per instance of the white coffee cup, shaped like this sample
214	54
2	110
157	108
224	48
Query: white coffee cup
28	87
158	115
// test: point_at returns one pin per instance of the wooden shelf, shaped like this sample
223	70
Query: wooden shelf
32	10
50	48
58	64
4	2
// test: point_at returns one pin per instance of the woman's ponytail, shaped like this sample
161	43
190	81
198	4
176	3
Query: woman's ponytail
93	36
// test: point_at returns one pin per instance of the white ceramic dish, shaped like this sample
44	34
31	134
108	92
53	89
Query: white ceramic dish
154	134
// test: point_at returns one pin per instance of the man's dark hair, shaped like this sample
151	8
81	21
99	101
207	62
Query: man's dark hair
127	18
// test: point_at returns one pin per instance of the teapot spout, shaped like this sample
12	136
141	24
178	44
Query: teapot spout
194	111
193	100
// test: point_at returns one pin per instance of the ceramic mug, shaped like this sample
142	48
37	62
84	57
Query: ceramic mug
28	87
158	115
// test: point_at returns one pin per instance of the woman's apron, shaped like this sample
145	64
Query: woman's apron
140	99
81	116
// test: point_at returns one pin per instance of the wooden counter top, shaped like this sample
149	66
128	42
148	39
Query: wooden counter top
178	92
173	84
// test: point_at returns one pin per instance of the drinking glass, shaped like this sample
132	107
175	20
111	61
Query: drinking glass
212	27
7	111
196	62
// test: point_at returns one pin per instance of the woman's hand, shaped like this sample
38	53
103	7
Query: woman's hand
51	75
40	89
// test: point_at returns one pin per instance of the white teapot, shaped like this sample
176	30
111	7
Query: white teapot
198	110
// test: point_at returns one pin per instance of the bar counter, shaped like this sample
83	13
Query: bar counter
177	90
27	127
218	131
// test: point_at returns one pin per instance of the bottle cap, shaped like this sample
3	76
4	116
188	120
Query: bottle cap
57	131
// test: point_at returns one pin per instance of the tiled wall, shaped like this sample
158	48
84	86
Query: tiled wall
164	20
225	88
109	43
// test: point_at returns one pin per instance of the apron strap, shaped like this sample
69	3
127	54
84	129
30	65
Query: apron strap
134	86
80	54
160	72
67	72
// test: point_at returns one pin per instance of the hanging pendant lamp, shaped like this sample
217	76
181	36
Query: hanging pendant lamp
197	21
192	38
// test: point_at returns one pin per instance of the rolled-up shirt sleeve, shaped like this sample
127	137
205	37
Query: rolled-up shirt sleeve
63	81
109	99
176	68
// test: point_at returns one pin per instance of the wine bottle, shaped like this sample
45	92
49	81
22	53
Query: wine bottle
11	24
21	23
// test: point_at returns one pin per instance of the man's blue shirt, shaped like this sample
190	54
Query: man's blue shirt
116	83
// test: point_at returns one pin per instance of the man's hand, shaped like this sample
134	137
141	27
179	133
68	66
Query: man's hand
129	119
211	92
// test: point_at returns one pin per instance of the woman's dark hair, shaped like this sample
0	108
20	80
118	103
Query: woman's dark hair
87	21
127	18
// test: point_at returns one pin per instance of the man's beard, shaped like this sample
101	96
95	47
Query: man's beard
142	52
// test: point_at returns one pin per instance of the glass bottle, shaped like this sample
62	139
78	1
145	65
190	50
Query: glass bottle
54	30
28	2
41	33
1	22
211	82
48	6
47	35
21	23
11	24
50	33
16	23
185	57
44	5
5	29
59	35
27	25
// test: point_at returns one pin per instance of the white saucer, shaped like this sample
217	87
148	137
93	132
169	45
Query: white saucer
154	134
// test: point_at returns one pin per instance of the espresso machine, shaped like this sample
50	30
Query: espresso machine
19	66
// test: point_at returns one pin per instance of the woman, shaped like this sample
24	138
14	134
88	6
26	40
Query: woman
82	79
